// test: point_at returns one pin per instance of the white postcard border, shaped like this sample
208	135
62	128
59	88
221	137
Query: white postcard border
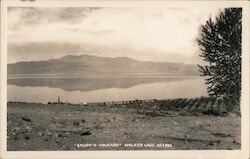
201	154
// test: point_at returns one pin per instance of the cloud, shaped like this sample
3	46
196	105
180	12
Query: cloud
46	50
28	16
148	33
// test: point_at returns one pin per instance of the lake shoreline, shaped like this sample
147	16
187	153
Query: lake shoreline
181	124
198	104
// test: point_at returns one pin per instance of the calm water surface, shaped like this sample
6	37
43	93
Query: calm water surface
78	90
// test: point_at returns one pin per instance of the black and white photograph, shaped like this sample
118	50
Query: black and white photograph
108	78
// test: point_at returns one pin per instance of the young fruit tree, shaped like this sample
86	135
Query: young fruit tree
220	45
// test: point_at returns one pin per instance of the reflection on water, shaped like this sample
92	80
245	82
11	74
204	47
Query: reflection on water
76	90
86	84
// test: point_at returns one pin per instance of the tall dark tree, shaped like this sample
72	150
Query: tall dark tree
220	44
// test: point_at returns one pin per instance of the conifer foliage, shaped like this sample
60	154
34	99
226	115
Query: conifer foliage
220	45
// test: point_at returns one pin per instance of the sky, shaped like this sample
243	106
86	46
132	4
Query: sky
148	34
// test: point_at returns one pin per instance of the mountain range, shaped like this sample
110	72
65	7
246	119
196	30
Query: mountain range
88	65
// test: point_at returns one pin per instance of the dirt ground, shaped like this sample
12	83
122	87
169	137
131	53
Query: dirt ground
37	127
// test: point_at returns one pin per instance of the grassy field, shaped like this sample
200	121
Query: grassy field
174	124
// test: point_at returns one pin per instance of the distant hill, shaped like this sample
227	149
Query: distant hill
88	65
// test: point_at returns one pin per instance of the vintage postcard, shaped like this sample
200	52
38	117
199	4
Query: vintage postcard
124	79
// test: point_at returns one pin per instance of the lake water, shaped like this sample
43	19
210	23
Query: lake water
80	90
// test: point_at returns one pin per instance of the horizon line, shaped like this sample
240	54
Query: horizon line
101	57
